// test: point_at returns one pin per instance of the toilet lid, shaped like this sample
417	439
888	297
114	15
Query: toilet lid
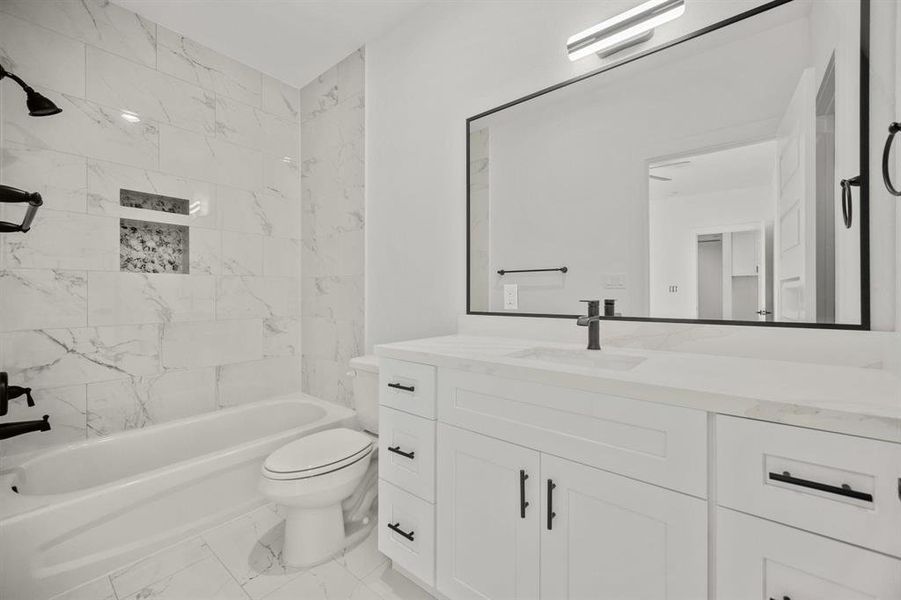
317	454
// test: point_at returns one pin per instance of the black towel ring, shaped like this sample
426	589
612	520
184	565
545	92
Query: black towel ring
892	130
847	204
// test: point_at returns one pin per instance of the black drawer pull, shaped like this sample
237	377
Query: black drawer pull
550	504
844	490
395	527
398	386
522	494
396	449
783	598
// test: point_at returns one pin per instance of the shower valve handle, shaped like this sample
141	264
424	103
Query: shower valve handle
15	391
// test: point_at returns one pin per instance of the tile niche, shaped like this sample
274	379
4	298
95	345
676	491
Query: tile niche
151	247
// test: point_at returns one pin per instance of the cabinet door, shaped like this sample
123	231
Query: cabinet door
761	559
487	535
607	536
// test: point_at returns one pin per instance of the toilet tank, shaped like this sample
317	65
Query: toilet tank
366	390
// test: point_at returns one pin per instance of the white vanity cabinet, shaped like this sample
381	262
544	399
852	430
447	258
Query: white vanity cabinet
510	517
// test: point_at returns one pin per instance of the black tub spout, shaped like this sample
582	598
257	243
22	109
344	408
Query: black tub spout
8	430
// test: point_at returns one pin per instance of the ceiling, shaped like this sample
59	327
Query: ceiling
292	40
731	168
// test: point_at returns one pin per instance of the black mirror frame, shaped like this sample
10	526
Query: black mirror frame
863	202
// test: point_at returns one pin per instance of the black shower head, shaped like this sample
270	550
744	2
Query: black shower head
38	104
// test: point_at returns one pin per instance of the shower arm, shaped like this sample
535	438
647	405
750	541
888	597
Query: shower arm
16	196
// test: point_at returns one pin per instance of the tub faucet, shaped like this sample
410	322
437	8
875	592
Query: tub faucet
592	321
8	430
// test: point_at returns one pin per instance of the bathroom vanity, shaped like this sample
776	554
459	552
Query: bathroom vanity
517	469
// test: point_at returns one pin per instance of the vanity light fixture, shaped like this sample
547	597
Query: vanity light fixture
626	29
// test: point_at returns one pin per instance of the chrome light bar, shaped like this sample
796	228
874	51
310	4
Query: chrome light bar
626	29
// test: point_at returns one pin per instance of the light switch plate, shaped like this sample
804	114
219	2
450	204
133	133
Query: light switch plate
511	296
615	281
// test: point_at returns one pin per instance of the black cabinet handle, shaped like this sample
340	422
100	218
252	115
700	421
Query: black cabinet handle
843	490
550	504
395	527
522	493
892	130
847	204
783	598
396	449
398	386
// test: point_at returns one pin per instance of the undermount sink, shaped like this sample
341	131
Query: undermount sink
598	359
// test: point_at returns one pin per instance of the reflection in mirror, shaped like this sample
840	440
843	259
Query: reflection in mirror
700	182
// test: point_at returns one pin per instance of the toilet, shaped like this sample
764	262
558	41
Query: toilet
312	476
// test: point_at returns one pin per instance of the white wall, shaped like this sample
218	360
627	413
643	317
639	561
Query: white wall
424	79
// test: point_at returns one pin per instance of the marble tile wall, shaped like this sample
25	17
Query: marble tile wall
479	220
333	218
107	350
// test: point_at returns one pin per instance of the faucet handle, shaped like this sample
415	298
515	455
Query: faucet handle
594	307
15	391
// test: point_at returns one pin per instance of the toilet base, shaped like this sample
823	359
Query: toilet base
312	535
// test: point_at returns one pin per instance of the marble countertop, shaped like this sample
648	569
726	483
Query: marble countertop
851	400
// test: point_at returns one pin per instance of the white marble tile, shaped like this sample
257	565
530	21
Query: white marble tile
319	95
280	99
281	336
96	22
250	548
206	248
41	57
238	123
248	382
159	566
116	298
205	580
106	179
341	254
364	558
148	93
320	338
262	213
320	377
84	128
209	343
351	75
281	176
242	253
280	137
42	298
193	155
332	298
59	178
247	297
391	585
142	401
62	240
68	418
281	257
188	60
99	589
54	357
329	581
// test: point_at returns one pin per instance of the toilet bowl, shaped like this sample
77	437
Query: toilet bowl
310	477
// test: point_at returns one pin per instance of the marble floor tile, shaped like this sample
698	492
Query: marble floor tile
391	585
329	581
159	566
205	580
250	547
364	558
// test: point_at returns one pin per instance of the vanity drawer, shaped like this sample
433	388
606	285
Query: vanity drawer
656	443
838	485
403	516
407	386
759	559
407	452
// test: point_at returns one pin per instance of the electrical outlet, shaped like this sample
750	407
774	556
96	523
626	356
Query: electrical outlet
616	281
511	296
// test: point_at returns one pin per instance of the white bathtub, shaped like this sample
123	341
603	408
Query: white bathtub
83	510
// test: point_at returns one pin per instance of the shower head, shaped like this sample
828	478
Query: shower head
38	104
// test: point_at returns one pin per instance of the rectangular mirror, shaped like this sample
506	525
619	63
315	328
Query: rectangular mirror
701	180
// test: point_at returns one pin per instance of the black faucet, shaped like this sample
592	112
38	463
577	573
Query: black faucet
8	430
592	321
10	392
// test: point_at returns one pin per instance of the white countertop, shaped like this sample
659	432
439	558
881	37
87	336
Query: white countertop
852	400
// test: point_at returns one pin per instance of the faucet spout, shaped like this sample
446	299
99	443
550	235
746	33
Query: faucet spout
592	321
8	430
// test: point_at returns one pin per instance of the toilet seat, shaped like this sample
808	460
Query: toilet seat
317	454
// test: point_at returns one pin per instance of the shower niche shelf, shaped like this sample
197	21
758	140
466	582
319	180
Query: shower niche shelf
149	247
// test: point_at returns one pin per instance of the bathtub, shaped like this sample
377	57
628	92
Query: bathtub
80	511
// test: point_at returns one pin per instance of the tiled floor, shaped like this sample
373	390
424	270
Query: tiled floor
240	561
